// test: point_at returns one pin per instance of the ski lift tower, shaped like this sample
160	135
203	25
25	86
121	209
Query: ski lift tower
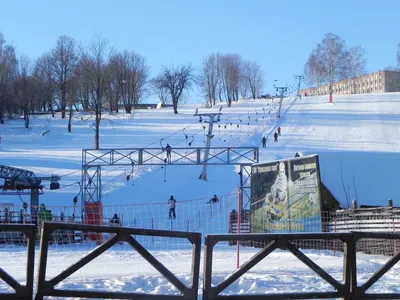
212	119
282	91
17	180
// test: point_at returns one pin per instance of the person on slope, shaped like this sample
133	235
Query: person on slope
171	206
264	141
168	149
115	221
275	137
213	200
279	130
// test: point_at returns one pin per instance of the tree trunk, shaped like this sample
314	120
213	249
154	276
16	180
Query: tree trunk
175	106
97	135
26	119
69	119
128	109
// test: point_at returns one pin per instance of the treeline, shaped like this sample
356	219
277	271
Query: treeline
94	77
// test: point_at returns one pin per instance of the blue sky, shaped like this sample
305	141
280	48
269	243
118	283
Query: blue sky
279	35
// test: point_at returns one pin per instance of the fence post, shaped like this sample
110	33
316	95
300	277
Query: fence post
394	241
152	227
334	241
238	232
134	225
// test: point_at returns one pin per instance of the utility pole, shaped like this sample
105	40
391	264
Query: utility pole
282	91
299	78
212	116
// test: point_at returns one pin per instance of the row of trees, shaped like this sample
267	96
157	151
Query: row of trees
94	77
229	77
221	78
332	61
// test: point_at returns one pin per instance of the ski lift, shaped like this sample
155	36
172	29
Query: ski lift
190	143
162	147
54	185
75	199
128	177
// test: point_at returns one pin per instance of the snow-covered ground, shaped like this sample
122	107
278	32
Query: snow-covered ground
356	138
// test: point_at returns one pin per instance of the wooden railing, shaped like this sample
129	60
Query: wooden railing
347	290
26	234
121	234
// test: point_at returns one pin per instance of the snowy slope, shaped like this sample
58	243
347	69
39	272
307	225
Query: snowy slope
356	137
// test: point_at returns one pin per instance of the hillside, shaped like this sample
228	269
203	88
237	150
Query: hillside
357	138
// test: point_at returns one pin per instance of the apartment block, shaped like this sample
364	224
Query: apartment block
378	82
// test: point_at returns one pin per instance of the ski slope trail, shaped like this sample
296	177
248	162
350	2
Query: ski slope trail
355	135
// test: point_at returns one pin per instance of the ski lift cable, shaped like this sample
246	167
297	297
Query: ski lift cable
172	134
120	167
129	175
70	173
62	187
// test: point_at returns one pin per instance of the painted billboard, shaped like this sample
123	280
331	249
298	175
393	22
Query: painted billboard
285	196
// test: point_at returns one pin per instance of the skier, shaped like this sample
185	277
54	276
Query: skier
171	205
168	149
214	199
279	130
264	141
115	221
275	137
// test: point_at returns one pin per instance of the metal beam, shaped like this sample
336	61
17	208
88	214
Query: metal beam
94	160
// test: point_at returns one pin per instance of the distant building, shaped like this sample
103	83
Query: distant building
378	82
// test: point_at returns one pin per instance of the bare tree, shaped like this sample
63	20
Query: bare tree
43	72
71	98
313	71
26	89
63	58
82	75
356	62
244	86
253	76
331	58
356	65
398	56
8	68
130	74
94	64
176	80
231	66
210	77
158	88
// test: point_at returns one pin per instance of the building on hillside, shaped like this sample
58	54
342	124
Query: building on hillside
378	82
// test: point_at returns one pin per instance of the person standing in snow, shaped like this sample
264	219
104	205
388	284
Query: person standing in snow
171	206
264	141
115	221
275	137
279	130
168	149
214	199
